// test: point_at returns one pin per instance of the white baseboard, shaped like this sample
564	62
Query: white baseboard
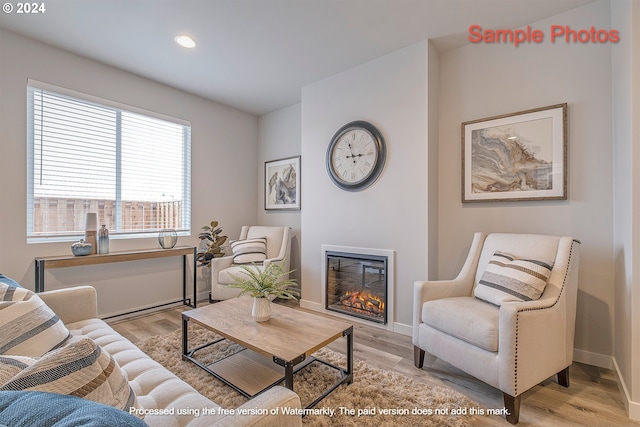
310	305
202	296
594	359
403	329
633	408
137	311
150	308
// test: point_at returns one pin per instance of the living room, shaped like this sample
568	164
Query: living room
419	93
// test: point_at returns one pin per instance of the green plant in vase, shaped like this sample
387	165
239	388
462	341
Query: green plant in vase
261	284
212	235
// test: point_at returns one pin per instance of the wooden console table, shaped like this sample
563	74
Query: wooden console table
77	261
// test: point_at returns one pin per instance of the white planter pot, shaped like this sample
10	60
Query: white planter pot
261	311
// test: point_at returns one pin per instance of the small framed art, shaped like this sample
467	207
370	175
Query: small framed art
282	184
517	156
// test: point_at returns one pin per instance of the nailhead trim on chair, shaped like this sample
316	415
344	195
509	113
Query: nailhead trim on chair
541	308
515	374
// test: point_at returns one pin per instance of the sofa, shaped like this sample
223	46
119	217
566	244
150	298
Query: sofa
159	394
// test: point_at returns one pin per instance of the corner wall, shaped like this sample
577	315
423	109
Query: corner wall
279	136
391	93
626	201
484	80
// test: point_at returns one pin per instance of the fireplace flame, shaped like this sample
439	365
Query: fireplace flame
362	300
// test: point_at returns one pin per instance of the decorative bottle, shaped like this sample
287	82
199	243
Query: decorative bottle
103	240
91	231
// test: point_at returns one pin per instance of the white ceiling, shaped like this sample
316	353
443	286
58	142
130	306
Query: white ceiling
256	55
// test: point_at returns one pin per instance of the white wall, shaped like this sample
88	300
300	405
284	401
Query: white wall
391	93
433	167
484	80
224	142
279	134
626	199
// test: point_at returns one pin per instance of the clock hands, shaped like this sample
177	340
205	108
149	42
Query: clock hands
353	156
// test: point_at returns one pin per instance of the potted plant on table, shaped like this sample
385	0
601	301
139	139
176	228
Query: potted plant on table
262	285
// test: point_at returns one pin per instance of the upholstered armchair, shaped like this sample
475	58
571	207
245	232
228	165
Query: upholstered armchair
508	317
249	250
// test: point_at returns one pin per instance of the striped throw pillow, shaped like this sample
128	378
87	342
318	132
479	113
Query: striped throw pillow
27	326
81	368
509	279
249	251
11	366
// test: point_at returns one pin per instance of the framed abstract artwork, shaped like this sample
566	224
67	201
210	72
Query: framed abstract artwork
517	156
282	184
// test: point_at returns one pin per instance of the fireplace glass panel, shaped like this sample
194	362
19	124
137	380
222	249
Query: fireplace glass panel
357	285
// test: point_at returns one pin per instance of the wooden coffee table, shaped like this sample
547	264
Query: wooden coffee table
274	349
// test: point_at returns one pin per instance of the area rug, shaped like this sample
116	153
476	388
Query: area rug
375	398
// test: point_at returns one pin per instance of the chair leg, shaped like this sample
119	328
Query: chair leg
513	406
418	357
563	377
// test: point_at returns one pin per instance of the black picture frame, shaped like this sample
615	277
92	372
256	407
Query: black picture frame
282	184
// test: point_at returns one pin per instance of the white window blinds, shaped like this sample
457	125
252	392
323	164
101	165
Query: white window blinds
85	154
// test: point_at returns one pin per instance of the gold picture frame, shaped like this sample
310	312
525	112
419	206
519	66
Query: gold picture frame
516	157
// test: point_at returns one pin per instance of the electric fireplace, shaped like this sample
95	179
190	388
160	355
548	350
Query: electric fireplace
356	285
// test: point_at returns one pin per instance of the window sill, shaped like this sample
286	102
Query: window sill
121	236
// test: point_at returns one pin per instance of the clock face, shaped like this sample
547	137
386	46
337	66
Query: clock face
355	156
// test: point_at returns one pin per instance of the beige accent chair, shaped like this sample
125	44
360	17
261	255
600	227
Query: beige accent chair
223	269
512	347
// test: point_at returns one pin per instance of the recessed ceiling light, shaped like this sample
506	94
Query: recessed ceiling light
185	41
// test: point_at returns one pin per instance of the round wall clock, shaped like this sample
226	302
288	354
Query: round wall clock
356	156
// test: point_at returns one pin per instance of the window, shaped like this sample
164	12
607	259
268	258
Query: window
85	154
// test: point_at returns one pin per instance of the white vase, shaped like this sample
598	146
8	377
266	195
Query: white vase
261	311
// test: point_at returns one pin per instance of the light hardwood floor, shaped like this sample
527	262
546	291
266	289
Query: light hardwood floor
593	398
